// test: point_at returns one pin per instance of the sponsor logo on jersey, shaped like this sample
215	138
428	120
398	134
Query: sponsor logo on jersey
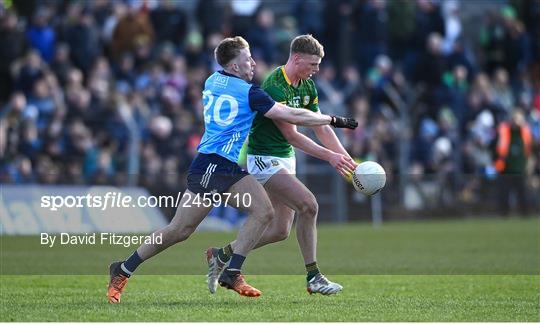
295	102
221	80
275	162
306	100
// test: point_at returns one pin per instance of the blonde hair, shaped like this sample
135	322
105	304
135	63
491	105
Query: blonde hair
228	49
307	44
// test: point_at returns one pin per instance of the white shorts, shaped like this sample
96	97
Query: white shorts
263	167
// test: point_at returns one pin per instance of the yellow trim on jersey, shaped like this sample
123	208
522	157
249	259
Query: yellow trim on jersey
285	75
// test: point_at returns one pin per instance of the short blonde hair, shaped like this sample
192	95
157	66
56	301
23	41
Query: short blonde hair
228	49
307	44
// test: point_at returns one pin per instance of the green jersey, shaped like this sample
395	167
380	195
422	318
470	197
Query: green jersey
264	137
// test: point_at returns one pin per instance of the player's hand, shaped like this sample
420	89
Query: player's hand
343	164
343	122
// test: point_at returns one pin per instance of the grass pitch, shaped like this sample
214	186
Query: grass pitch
474	270
184	298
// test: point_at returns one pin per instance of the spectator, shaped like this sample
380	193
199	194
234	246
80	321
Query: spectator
169	22
371	34
261	36
30	144
401	25
27	71
83	40
243	13
119	10
61	64
41	35
428	20
194	49
532	24
350	82
477	149
309	16
74	173
125	72
516	42
132	30
513	154
326	81
48	172
423	144
101	9
456	87
452	25
378	77
23	172
337	32
42	98
177	76
12	34
434	63
213	17
502	92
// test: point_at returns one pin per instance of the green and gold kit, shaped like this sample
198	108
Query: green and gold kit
265	138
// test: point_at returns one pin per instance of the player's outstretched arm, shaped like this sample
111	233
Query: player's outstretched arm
304	117
328	139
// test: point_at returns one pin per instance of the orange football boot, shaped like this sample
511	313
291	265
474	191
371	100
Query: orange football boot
237	283
117	283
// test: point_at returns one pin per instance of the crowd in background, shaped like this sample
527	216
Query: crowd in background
78	78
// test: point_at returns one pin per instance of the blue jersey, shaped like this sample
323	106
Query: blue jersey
230	105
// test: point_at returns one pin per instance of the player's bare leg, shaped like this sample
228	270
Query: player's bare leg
280	227
285	189
288	190
184	223
276	231
260	214
289	194
180	228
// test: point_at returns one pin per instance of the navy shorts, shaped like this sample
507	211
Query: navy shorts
213	173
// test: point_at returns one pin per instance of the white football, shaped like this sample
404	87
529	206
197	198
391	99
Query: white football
369	178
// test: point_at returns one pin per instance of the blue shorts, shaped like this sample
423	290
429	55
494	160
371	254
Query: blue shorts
213	173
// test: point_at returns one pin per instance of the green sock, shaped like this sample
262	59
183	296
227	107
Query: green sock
312	270
225	253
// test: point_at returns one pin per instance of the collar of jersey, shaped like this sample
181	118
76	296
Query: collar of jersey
285	75
227	74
